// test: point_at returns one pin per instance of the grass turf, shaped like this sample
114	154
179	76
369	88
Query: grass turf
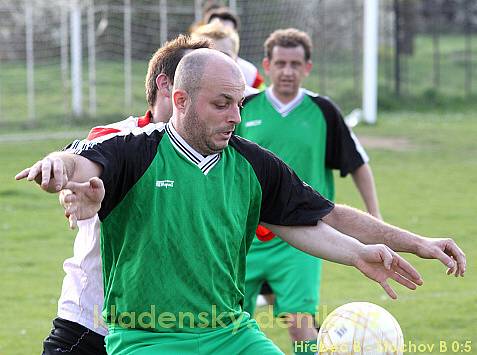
426	185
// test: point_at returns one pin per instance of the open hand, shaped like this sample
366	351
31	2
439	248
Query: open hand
445	250
380	263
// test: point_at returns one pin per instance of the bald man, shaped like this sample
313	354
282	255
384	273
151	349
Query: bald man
178	210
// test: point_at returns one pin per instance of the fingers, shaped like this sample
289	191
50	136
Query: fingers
77	186
67	199
22	174
96	183
384	284
404	268
62	196
94	188
58	173
386	257
34	171
73	221
458	257
403	281
45	173
453	257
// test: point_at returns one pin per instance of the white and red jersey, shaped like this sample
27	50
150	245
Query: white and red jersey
81	299
251	74
126	125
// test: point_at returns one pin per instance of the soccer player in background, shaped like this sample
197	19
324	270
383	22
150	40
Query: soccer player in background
226	17
308	132
78	328
225	40
179	208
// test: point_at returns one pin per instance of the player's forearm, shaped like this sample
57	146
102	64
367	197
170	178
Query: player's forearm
364	181
78	168
370	230
321	241
54	171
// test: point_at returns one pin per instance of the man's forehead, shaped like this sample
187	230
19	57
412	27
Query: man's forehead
224	76
296	53
225	89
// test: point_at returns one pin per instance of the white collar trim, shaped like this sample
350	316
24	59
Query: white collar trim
281	108
203	163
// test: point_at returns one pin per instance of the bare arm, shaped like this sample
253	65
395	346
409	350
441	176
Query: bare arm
54	171
75	176
370	230
377	262
364	181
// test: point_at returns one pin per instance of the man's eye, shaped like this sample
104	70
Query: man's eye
220	106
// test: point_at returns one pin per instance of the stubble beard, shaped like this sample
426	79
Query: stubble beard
197	135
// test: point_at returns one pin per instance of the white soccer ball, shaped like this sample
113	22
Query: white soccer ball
360	328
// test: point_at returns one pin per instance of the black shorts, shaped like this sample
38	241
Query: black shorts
68	337
266	289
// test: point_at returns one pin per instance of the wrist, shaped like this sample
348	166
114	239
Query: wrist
355	256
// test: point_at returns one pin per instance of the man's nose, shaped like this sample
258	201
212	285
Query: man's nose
234	116
287	70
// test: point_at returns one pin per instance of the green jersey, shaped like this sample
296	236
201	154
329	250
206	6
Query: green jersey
309	134
176	226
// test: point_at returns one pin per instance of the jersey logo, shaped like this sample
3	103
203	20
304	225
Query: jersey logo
253	123
165	183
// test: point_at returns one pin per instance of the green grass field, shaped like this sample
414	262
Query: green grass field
425	167
335	79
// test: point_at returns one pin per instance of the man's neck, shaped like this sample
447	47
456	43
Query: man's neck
179	131
284	99
159	114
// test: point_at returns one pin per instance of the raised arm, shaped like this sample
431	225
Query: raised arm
377	262
370	230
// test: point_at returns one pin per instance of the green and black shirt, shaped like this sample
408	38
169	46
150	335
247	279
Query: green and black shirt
309	134
176	226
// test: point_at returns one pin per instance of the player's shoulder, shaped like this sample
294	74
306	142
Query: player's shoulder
151	132
246	66
249	91
124	126
316	97
252	97
325	103
251	151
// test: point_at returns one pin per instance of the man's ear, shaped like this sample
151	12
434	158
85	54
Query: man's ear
266	65
179	99
164	85
308	67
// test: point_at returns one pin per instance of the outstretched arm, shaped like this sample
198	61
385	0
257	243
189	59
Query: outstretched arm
75	176
364	181
377	262
54	171
370	230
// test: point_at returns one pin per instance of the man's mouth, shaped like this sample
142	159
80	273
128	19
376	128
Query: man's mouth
226	134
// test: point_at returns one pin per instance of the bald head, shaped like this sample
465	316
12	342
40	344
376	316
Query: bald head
208	91
201	64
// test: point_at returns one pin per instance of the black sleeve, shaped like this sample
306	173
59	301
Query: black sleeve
124	159
249	98
342	152
286	199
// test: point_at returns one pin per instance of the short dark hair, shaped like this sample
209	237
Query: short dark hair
288	38
222	13
166	59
